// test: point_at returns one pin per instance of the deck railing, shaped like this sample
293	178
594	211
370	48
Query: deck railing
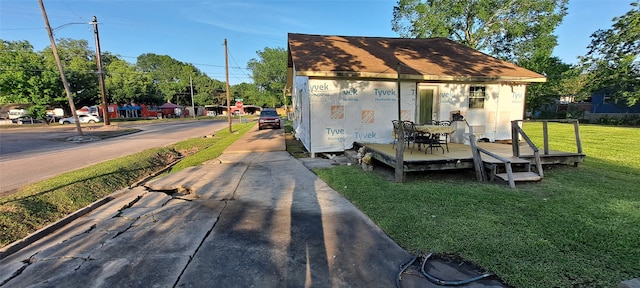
516	132
545	134
479	166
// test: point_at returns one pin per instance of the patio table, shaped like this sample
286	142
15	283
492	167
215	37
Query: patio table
435	131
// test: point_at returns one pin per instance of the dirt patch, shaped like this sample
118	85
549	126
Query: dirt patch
295	147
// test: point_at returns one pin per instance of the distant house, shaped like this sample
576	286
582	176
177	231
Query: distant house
599	105
345	88
602	104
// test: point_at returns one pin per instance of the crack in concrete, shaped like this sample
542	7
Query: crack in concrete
91	228
126	229
17	273
129	205
226	203
183	199
179	193
235	189
166	202
84	260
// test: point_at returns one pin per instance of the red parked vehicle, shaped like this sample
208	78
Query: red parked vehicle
269	118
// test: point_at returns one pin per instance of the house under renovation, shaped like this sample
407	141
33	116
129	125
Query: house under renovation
348	89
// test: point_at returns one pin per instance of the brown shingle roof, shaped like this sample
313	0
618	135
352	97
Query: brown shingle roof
422	59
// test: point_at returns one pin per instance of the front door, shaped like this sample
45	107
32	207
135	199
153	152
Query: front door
425	104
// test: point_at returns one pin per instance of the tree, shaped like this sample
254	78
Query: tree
80	70
613	58
127	85
23	76
170	76
269	75
541	94
248	92
508	29
207	91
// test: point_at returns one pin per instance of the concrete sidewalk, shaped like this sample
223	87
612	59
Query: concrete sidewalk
254	217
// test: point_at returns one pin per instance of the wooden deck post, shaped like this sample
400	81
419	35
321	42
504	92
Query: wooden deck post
536	156
515	139
399	171
477	159
576	128
545	136
512	182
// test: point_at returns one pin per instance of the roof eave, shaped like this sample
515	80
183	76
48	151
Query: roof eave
419	77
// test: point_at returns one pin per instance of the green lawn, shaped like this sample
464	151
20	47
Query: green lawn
578	227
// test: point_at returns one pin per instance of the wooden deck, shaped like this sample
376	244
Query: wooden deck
460	156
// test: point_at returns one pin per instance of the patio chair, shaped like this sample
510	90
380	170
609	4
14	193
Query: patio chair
413	136
396	132
443	138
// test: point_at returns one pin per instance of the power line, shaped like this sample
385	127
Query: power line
16	69
234	61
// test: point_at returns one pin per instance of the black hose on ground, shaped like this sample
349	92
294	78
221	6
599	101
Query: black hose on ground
448	283
433	278
404	267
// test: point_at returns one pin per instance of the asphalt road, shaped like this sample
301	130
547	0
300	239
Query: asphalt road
29	155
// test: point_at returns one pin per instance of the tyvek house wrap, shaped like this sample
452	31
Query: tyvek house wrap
332	114
341	112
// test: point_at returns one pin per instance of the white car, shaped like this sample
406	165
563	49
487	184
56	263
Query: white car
84	118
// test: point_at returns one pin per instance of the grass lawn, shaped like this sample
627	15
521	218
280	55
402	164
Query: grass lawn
578	227
45	202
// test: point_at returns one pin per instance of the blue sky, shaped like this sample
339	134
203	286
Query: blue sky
194	31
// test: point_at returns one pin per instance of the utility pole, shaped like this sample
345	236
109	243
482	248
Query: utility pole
105	104
226	65
193	107
284	96
60	69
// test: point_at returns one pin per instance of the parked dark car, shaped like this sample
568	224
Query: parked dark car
269	118
26	120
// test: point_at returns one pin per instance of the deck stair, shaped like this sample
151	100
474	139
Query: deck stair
492	163
489	166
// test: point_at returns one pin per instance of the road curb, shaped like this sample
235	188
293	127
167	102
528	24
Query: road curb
35	236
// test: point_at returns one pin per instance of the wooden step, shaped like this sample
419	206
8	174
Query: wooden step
513	160
520	176
492	165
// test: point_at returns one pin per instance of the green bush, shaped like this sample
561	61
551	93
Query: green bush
626	120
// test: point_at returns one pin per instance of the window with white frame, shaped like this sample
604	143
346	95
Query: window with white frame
476	96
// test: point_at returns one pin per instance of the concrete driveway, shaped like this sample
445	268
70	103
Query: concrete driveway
250	218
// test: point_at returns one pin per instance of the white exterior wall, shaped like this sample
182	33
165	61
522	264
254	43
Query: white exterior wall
301	110
340	112
503	104
329	115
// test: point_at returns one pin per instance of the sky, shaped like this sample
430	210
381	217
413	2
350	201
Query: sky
194	31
